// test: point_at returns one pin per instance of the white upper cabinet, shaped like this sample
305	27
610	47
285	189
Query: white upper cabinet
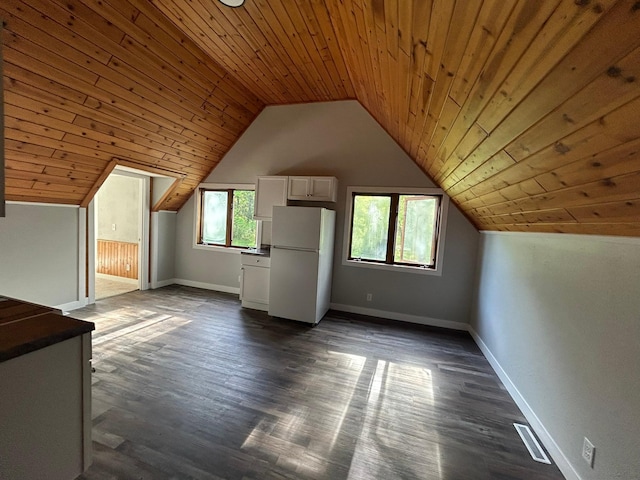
319	189
270	191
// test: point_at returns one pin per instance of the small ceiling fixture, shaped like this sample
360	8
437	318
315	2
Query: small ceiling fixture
232	3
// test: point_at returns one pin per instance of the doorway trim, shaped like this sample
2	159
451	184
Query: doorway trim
143	240
140	171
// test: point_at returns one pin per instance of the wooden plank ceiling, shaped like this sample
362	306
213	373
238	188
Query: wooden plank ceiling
526	112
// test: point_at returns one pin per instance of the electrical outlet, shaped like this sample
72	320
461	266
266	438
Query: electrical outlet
128	267
369	297
588	451
113	227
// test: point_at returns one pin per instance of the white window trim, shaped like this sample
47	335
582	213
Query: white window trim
444	207
196	217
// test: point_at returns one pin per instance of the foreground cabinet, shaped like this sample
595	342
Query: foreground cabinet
45	393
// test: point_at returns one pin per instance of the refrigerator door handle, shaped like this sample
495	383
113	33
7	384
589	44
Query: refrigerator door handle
295	249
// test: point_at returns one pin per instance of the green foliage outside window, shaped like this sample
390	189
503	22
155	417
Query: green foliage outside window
406	235
370	227
216	218
415	229
244	226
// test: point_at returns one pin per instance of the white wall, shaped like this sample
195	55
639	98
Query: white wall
343	140
160	186
163	250
196	267
561	315
118	203
39	253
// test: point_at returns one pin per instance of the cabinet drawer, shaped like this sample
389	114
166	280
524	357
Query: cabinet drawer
256	260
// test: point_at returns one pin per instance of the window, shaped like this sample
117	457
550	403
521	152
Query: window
395	228
224	216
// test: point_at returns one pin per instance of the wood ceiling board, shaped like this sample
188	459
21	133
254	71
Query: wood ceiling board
25	107
616	128
620	229
542	216
561	32
369	74
574	72
18	194
619	160
502	103
490	23
339	22
88	70
462	22
623	187
612	89
333	52
524	23
441	16
627	211
46	177
234	54
499	162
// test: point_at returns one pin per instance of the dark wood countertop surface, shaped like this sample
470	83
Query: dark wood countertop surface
25	327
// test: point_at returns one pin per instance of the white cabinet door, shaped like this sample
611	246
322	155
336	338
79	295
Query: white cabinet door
255	287
298	188
323	189
317	189
270	191
254	277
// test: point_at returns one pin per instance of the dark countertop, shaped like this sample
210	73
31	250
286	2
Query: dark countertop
263	251
25	327
11	310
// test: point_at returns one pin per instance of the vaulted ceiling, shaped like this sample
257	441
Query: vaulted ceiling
526	112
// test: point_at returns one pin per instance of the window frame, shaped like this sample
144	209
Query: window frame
197	230
394	193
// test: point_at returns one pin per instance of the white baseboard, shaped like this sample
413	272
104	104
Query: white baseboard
404	317
163	283
207	286
547	440
67	307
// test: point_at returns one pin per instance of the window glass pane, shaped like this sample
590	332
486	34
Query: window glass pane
370	227
214	217
243	232
415	229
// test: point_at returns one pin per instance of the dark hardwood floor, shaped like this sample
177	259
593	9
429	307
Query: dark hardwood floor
190	385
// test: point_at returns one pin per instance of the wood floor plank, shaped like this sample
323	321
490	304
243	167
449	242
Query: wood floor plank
188	384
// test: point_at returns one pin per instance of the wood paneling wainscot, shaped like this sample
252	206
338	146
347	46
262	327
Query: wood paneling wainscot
118	258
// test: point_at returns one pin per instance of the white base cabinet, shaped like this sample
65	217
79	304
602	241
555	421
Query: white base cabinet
254	282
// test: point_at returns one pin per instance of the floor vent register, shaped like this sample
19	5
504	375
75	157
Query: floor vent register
530	441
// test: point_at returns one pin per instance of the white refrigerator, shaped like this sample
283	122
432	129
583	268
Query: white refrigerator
301	262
